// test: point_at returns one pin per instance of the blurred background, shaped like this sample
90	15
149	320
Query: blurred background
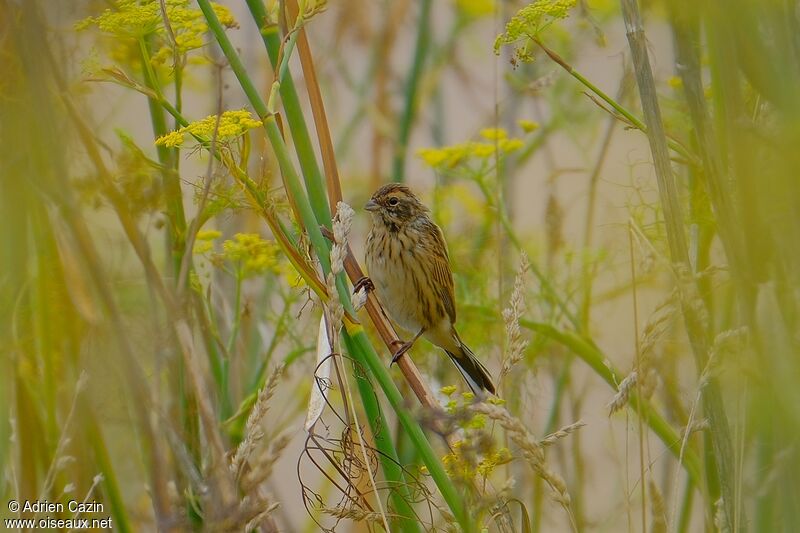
622	229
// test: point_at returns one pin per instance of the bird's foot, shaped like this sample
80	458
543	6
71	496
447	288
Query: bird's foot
363	283
404	347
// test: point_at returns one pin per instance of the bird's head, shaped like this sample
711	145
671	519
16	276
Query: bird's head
395	205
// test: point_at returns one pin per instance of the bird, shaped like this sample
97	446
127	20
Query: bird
409	270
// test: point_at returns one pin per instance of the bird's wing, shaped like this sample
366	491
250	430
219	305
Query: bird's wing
442	275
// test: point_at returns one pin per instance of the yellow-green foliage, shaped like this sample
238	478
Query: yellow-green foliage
496	141
530	21
232	124
139	18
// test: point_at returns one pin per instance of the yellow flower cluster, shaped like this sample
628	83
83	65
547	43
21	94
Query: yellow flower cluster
457	463
450	156
138	18
463	462
528	125
474	454
208	235
232	124
254	254
529	22
203	241
448	390
675	82
251	254
492	460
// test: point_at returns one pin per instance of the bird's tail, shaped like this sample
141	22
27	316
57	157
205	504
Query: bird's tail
475	374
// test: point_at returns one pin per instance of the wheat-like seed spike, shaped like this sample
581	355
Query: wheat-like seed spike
552	438
623	393
252	434
511	315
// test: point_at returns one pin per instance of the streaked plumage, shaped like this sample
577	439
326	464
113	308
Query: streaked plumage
408	264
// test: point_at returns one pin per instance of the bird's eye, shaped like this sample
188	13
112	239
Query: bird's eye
393	201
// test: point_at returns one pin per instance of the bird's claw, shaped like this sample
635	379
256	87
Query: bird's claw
363	283
404	347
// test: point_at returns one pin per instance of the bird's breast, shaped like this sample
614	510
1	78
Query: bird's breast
388	261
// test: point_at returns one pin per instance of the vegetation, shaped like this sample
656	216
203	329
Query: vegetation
180	338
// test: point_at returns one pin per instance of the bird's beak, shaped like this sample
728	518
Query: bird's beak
372	205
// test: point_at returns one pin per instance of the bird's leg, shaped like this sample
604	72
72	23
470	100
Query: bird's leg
404	347
363	283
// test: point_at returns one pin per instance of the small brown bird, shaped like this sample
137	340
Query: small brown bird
410	270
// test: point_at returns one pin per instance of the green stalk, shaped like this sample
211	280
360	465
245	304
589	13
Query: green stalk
177	222
294	115
307	217
686	507
390	462
591	202
110	485
597	360
320	245
410	105
686	36
213	342
415	433
29	439
237	302
49	285
166	158
224	386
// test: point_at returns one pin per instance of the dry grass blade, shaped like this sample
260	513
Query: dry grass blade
322	372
